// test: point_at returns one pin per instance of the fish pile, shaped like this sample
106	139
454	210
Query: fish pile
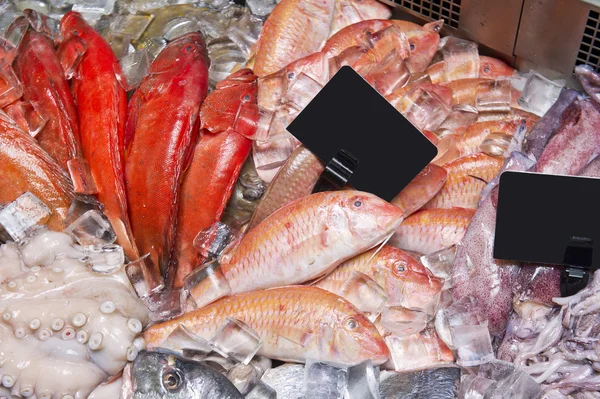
162	237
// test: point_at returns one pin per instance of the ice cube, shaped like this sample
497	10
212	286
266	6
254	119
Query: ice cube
390	73
103	258
134	67
206	284
461	59
464	312
236	340
70	53
213	240
153	46
22	216
244	376
364	293
244	32
473	344
246	119
322	381
182	338
8	13
425	110
166	304
261	7
302	91
539	94
81	175
131	25
11	88
92	228
15	32
262	391
402	321
42	23
417	351
363	381
144	279
440	264
94	7
519	385
475	387
146	5
119	43
35	5
494	96
27	115
178	27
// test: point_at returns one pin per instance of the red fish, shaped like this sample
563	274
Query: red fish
39	69
489	68
421	189
161	130
216	163
102	109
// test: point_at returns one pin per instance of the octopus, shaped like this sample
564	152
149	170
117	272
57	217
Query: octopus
64	328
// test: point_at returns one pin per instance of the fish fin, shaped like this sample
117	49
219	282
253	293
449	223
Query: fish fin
478	178
297	336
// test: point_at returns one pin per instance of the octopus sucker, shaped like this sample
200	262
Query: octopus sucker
64	329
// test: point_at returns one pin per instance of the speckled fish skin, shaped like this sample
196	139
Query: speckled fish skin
406	281
476	273
348	12
467	176
576	141
284	37
39	70
163	126
489	68
25	166
590	80
102	110
216	162
308	238
295	180
421	189
545	128
431	230
437	383
294	323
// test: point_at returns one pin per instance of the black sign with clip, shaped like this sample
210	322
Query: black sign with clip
550	219
363	140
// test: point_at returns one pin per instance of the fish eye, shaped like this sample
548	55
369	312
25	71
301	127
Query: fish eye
487	69
412	46
291	75
171	380
350	323
246	97
400	268
189	48
357	203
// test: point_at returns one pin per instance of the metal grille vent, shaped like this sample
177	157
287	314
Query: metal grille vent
448	10
589	49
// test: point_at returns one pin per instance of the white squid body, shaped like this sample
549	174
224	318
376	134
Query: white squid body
64	329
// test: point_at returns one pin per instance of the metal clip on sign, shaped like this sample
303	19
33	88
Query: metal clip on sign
578	262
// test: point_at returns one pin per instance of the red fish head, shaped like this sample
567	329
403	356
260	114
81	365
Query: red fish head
71	24
369	217
423	46
491	68
181	51
352	339
220	108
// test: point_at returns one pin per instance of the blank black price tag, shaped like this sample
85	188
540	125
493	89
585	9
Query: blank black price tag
349	115
548	219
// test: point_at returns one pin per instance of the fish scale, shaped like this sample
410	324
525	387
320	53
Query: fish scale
432	230
294	323
462	187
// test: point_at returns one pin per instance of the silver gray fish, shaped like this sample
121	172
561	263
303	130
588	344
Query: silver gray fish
247	192
158	375
440	383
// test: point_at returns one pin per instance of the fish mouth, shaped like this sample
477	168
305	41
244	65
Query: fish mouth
389	217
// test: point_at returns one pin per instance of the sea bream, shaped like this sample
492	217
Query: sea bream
294	323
